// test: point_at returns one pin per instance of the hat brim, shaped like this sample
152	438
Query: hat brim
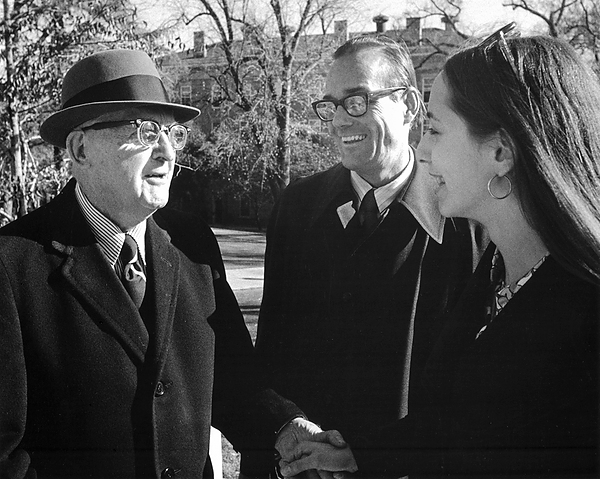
57	126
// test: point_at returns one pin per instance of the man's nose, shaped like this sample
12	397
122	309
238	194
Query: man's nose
341	117
164	148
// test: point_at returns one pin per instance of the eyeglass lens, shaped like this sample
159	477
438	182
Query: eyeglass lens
355	105
149	134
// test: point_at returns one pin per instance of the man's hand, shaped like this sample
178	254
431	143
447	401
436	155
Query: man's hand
300	431
319	455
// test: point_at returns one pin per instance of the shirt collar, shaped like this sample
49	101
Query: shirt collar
419	198
415	189
384	195
109	236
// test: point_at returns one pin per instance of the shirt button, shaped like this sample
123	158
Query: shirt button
169	472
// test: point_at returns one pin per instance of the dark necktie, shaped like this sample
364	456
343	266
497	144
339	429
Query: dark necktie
133	276
368	212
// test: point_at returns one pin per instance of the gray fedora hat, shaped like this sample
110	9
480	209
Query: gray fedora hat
106	82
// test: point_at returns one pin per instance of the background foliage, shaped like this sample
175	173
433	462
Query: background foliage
41	40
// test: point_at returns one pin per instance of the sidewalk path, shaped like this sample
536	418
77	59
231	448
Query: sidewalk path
244	278
243	254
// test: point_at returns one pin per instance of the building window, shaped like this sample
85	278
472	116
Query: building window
186	94
426	84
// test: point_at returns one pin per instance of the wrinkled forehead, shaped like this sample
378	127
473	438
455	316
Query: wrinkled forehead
163	116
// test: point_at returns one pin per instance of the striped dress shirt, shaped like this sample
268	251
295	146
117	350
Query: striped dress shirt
109	236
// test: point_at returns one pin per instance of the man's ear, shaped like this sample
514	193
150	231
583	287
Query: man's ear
413	102
75	146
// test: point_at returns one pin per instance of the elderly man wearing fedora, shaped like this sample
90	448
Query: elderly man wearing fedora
120	339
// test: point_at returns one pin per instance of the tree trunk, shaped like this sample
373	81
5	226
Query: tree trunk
282	149
12	110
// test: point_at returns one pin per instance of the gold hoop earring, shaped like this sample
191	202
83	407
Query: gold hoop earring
499	197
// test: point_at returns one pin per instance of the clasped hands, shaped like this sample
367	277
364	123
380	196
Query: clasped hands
303	446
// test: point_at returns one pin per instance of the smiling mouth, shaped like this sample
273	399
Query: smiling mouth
348	140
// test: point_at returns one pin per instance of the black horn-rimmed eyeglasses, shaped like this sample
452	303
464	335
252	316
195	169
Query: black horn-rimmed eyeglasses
355	104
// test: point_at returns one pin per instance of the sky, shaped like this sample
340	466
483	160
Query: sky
478	17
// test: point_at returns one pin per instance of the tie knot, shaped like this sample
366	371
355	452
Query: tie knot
129	250
368	212
368	203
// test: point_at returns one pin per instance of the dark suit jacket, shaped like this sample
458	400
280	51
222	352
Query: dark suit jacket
86	391
346	322
521	401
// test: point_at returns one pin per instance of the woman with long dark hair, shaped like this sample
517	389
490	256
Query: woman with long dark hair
512	385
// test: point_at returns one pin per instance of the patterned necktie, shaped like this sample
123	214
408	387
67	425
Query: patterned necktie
133	276
368	212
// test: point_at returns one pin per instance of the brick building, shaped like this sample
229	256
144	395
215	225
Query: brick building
197	68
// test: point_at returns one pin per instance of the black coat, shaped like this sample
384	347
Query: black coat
86	391
347	322
522	400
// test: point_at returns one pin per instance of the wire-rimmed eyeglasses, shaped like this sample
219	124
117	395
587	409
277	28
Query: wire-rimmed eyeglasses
498	38
355	105
148	131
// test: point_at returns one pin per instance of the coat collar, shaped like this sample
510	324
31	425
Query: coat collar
418	198
164	273
94	282
336	184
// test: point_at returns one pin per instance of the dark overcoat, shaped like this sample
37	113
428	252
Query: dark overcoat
87	391
522	400
347	321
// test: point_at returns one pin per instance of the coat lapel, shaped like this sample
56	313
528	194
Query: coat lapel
333	193
338	184
91	278
164	267
94	281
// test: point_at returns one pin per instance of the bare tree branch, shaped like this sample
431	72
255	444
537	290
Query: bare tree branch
577	21
262	65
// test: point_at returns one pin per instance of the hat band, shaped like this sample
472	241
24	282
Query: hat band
131	88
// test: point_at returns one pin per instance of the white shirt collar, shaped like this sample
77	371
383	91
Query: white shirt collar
419	198
414	188
384	195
